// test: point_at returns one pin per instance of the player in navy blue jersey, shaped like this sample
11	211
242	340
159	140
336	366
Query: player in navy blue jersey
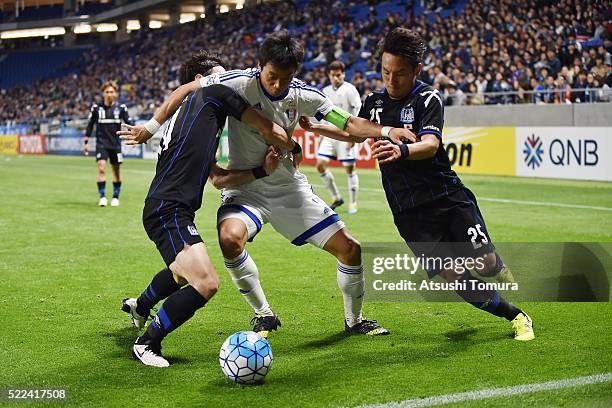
434	212
107	119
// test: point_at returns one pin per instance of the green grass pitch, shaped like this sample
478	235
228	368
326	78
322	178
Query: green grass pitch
65	265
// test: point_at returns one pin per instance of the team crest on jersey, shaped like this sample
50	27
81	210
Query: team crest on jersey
407	114
192	230
291	113
378	102
116	113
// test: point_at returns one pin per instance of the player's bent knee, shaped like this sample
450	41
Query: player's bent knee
207	287
450	275
353	248
488	265
232	239
320	166
346	248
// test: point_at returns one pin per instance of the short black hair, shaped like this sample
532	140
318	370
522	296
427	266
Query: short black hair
336	66
281	50
404	43
201	62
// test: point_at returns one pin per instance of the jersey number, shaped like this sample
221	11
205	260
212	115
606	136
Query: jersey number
375	115
474	233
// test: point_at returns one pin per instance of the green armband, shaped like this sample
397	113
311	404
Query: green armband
338	117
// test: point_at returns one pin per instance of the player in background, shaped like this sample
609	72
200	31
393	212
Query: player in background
185	161
345	96
284	199
432	209
107	118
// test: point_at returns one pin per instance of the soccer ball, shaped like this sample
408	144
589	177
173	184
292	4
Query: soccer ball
245	357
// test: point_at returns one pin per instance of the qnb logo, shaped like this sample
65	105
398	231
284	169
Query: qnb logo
533	151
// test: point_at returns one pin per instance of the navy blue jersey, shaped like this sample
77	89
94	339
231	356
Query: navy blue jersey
107	120
411	183
184	163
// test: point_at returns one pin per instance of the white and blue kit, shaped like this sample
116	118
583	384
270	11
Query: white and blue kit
285	198
345	97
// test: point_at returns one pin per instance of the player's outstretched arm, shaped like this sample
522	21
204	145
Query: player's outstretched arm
387	152
363	128
329	131
272	133
174	101
139	134
224	178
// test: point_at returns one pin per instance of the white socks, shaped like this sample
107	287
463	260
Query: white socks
330	183
351	283
353	186
246	278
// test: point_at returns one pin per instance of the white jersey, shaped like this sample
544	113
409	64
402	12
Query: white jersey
247	147
346	97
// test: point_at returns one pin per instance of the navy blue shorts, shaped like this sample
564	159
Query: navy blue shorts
114	156
451	226
170	226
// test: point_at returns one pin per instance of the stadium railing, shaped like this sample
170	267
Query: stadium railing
543	97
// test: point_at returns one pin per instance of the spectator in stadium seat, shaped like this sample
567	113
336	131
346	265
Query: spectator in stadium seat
537	96
454	96
580	83
591	89
599	70
564	91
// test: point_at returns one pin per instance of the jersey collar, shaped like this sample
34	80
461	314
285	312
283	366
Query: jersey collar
418	86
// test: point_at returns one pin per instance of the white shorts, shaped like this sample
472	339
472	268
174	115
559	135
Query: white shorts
293	210
331	149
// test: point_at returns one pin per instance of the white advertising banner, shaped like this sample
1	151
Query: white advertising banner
581	153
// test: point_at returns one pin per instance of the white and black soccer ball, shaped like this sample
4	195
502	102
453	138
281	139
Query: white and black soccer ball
245	357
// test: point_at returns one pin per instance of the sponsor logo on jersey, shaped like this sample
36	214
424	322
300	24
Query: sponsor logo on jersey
407	114
192	230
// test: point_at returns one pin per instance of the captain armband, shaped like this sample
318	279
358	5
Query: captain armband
338	117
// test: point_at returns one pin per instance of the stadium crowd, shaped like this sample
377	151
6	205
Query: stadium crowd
516	51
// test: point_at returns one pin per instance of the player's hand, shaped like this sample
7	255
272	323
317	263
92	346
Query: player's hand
306	124
273	159
134	135
386	152
296	155
401	135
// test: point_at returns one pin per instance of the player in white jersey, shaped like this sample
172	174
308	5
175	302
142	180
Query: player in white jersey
284	198
345	96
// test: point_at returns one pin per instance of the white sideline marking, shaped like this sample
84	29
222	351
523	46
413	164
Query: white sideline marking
544	203
507	200
496	392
